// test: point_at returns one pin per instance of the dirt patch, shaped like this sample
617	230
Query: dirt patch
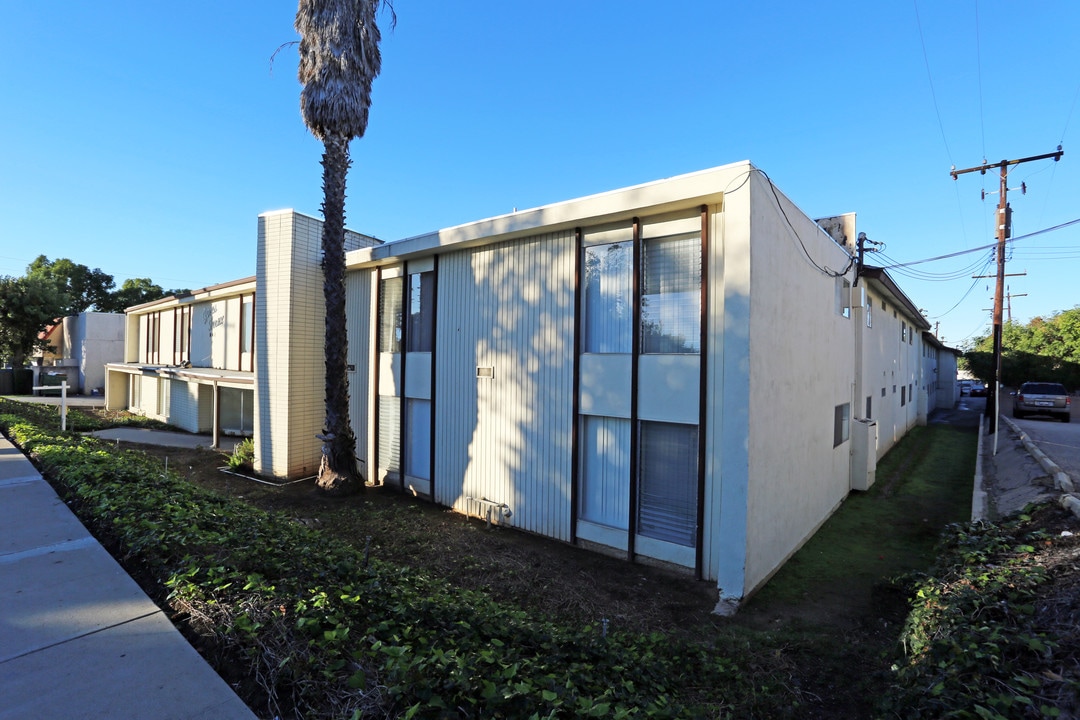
818	639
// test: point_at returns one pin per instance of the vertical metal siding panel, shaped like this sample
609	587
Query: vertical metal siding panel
455	383
358	324
509	307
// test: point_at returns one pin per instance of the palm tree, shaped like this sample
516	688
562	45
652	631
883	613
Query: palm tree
339	59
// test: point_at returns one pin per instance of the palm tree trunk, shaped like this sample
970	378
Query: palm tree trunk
337	471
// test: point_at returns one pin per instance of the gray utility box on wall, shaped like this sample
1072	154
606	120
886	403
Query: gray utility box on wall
863	453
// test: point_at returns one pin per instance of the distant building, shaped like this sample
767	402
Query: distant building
80	347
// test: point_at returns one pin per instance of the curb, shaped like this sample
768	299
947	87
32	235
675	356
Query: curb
978	495
1062	481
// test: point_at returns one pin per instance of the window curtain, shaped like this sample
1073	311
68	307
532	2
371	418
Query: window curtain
605	491
609	279
667	493
671	294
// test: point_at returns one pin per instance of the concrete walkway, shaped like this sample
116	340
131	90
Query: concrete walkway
78	637
165	438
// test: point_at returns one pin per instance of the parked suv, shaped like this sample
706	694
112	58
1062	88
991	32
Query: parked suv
1042	398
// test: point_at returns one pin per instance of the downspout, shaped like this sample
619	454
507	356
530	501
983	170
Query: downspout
575	409
703	388
635	351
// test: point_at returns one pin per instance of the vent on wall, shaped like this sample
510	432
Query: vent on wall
485	372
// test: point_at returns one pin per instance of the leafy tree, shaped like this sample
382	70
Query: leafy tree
84	288
1045	349
339	60
27	306
136	291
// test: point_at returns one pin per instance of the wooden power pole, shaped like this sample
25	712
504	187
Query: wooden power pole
1003	232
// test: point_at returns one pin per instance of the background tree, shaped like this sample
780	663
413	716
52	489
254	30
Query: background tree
1045	349
84	288
27	306
136	291
339	60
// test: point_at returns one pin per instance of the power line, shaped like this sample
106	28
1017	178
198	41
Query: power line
930	79
978	60
982	247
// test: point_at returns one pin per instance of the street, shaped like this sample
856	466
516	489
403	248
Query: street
1060	441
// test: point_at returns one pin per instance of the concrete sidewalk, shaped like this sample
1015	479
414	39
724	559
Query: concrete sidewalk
144	436
1017	475
78	637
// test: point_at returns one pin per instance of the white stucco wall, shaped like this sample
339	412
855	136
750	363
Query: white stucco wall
801	368
891	365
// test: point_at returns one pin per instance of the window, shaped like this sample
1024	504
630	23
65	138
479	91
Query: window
153	338
667	489
390	300
182	326
421	334
390	434
911	392
843	297
841	424
163	387
869	314
882	392
608	298
247	331
903	397
605	471
869	406
903	332
418	438
671	294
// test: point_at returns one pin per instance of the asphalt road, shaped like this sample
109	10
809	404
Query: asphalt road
1060	441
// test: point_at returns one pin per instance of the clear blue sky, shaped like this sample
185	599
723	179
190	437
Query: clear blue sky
145	138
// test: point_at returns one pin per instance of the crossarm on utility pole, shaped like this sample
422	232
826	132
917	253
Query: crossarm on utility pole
1002	224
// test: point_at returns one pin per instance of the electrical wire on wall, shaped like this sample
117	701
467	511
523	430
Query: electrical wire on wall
824	269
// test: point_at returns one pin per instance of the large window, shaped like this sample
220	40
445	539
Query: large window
609	282
605	471
421	334
667	489
671	294
390	301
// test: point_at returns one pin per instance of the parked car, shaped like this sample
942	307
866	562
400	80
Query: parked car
1043	398
977	389
965	387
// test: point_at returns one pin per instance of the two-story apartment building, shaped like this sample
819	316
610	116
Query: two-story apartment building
688	371
189	360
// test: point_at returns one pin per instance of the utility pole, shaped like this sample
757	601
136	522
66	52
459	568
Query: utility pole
1003	231
1008	305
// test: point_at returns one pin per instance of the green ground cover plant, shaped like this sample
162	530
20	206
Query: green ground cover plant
370	607
323	631
991	635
